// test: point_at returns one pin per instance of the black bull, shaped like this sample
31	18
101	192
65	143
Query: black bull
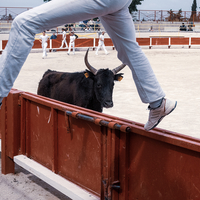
90	89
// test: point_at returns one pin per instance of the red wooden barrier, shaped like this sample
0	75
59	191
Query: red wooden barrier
179	41
160	41
195	41
95	151
143	41
91	42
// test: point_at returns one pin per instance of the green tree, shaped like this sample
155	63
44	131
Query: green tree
194	11
132	7
194	6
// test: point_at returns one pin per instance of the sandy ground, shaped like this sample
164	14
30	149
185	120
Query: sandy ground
177	70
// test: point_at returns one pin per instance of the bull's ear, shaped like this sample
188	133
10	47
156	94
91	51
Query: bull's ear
88	74
118	77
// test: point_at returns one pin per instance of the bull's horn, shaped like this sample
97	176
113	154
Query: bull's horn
117	69
92	69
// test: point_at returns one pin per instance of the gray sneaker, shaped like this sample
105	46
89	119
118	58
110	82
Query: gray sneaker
157	114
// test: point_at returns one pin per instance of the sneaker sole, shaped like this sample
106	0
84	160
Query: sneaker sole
163	117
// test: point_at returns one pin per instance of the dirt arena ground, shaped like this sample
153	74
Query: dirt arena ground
177	70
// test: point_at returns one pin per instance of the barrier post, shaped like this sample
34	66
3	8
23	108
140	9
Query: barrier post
150	45
189	42
10	130
50	44
1	47
7	164
94	43
169	42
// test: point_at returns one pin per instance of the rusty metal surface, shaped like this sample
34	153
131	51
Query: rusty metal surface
103	158
159	170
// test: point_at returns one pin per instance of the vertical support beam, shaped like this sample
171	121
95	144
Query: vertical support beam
190	41
23	127
124	165
50	45
115	162
169	42
94	45
10	129
109	161
7	164
28	133
104	165
54	124
139	15
150	45
1	45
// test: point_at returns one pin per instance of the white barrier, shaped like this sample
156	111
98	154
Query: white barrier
68	188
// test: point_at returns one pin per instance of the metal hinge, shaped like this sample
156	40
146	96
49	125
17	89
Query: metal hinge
19	101
105	184
108	189
115	186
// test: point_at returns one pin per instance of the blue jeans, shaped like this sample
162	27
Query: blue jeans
116	20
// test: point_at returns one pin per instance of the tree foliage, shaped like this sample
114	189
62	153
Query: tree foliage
194	6
194	11
133	6
175	16
5	17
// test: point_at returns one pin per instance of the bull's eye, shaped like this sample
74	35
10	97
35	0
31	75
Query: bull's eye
98	85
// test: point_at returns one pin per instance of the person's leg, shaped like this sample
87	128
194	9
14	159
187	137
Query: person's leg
38	19
45	48
62	44
99	45
66	46
70	46
73	45
43	51
120	27
104	48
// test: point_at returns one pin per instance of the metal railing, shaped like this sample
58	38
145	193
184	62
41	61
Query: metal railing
145	20
9	13
139	27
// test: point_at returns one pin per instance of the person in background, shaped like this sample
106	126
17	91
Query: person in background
87	28
183	27
151	28
99	31
64	38
44	39
118	23
54	36
101	43
71	43
190	27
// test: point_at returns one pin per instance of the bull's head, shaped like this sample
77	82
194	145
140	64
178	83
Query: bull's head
103	82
